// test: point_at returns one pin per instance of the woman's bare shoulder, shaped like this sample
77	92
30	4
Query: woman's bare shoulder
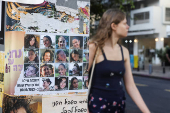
125	52
124	48
92	46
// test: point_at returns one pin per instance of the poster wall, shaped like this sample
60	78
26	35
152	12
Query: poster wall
45	68
2	58
52	16
46	48
13	59
46	56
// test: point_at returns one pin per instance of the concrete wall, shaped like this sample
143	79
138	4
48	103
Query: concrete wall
164	2
168	30
145	25
155	21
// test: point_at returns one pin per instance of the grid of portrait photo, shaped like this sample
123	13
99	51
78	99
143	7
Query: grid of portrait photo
59	61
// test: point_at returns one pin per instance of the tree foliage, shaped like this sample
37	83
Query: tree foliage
98	7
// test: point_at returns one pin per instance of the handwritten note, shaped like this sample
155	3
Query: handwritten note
64	104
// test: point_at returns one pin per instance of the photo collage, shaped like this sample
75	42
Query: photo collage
59	61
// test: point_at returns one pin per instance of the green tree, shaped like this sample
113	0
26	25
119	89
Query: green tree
98	7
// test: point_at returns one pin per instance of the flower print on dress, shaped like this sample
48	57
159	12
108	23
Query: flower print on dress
120	83
92	98
123	102
100	99
103	107
94	105
107	85
114	103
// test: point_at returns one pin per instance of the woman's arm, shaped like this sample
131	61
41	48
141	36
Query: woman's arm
130	85
92	51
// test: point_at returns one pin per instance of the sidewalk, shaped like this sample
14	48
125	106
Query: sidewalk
157	72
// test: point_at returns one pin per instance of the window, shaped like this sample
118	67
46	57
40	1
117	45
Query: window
141	18
167	14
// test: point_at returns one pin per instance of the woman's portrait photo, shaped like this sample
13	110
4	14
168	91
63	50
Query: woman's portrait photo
86	56
85	82
21	104
31	55
47	70
47	41
61	56
76	56
75	69
46	84
62	42
85	42
47	56
31	41
76	42
61	69
31	70
61	83
75	83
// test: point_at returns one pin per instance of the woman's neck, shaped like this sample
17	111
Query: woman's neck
112	41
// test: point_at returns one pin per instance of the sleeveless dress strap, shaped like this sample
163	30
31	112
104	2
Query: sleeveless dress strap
104	55
122	52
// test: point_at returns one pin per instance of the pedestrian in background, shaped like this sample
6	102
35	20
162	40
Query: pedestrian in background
167	63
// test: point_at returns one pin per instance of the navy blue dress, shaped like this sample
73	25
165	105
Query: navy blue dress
107	94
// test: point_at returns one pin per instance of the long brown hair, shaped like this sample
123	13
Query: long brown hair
28	38
104	30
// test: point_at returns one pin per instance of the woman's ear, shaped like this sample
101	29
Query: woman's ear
113	26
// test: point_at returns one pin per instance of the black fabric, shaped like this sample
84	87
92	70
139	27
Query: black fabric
167	63
107	84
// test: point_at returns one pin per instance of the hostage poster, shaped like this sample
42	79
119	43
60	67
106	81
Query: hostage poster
46	48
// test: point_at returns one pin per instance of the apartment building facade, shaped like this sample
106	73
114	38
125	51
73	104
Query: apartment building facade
149	29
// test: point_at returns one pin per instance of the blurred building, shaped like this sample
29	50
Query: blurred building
149	29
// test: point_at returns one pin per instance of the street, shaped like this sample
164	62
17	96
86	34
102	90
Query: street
155	92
